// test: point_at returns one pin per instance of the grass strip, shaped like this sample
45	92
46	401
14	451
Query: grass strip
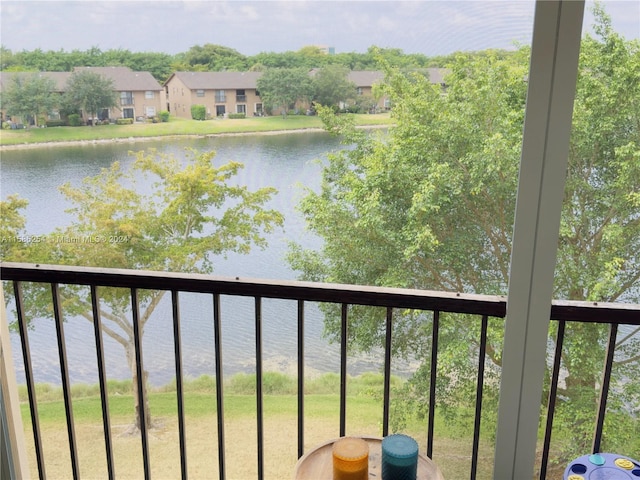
175	127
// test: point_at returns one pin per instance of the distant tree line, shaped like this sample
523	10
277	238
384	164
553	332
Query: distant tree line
209	57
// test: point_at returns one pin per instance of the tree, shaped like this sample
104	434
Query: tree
431	206
191	215
89	92
332	86
30	95
12	223
283	87
215	58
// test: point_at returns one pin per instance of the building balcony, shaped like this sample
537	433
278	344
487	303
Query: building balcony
222	445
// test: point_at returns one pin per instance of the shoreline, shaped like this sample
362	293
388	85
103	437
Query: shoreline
104	141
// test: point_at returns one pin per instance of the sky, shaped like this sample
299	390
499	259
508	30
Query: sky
429	27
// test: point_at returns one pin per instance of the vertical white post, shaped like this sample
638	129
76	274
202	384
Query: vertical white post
13	454
545	148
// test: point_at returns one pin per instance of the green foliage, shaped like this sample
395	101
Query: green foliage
164	116
89	92
29	95
198	112
124	121
431	206
74	120
56	123
331	86
237	115
213	58
13	242
281	88
190	214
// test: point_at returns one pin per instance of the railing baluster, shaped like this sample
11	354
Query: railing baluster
217	331
553	392
300	378
432	382
343	371
142	400
259	402
479	388
28	371
177	345
66	385
102	377
344	295
387	373
604	388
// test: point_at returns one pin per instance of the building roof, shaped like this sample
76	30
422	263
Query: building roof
124	78
59	78
365	78
217	80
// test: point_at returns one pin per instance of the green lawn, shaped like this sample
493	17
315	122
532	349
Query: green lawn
364	413
176	126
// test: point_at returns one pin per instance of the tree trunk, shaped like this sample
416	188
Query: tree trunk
131	359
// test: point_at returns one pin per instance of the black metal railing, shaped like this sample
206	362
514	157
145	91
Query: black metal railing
344	296
612	314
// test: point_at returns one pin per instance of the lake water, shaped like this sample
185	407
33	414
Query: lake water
289	162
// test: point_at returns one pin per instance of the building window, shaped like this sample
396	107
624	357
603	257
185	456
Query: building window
241	96
220	96
241	109
127	112
359	91
126	98
200	93
149	94
151	111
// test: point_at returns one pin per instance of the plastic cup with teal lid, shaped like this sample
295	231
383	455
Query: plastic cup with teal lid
399	457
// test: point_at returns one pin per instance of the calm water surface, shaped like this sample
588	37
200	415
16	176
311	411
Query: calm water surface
289	162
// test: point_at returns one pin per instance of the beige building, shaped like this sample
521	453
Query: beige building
222	93
139	95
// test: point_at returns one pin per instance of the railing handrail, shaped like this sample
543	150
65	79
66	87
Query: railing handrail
596	312
491	305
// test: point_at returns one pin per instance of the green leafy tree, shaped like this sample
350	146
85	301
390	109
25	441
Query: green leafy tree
30	95
89	92
431	206
12	223
191	215
281	88
331	86
215	58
